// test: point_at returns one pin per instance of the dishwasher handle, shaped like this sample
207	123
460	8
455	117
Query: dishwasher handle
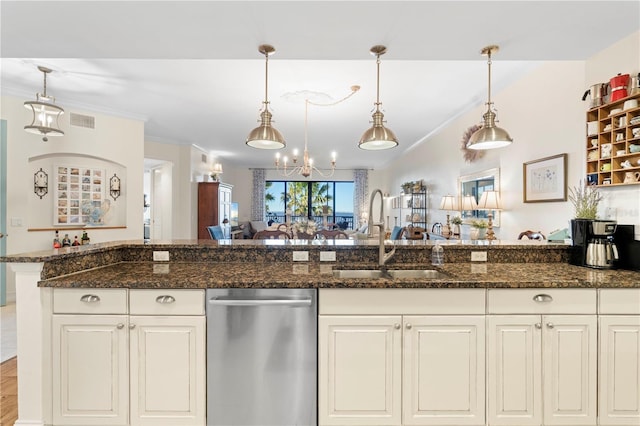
223	301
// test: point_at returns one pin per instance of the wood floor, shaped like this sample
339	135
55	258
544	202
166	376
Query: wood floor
9	392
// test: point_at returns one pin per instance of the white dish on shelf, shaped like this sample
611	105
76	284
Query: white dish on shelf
615	111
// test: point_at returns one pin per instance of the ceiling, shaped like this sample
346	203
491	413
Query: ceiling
192	72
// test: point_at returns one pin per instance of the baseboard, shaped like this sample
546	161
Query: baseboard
28	423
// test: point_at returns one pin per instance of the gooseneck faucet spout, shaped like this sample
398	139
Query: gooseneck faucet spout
383	255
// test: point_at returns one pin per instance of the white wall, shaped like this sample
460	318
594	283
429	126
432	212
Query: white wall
544	114
116	140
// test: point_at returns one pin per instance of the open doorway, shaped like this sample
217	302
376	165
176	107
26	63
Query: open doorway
158	196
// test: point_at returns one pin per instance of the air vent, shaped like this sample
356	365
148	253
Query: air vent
79	120
204	158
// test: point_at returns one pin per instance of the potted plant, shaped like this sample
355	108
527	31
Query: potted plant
456	221
479	229
406	187
585	199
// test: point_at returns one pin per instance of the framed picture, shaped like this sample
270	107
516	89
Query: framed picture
545	180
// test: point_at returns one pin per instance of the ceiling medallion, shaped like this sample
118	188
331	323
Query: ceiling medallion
470	155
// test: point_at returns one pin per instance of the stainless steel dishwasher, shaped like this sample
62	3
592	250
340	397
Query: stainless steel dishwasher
262	357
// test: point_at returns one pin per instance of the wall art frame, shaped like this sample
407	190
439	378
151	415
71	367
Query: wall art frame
545	179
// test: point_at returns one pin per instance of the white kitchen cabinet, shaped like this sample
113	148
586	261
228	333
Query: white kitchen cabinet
90	370
542	369
120	369
619	363
167	370
404	369
443	363
360	368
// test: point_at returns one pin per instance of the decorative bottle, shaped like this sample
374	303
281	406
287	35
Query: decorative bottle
85	238
56	240
75	241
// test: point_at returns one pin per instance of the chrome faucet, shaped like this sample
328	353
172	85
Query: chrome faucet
383	256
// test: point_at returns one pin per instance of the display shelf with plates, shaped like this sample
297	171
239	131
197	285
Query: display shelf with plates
613	143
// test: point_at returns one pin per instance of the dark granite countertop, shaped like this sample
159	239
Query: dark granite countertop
315	275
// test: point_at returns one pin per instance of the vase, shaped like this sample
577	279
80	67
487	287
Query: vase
478	233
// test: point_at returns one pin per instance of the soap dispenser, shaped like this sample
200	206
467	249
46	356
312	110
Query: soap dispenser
437	255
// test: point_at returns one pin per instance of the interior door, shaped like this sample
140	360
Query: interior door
3	209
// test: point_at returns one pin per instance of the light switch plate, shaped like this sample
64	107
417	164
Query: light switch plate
478	256
160	256
300	256
327	256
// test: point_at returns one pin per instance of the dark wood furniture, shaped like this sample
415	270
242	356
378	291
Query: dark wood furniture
208	204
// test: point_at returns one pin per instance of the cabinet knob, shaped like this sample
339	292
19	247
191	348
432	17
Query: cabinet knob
550	325
542	298
408	326
132	326
165	299
120	326
538	325
90	298
397	326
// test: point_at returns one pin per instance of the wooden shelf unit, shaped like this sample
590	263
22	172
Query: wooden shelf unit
614	129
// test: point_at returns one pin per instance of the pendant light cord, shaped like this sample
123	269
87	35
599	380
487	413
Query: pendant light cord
266	79
489	77
45	85
378	82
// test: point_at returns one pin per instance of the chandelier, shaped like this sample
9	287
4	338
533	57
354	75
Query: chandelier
45	113
307	167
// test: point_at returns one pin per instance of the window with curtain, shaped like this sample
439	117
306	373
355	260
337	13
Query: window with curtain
305	200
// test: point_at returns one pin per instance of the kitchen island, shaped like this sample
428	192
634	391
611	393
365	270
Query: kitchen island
195	265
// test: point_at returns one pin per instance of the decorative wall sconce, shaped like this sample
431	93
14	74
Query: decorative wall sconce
40	183
114	187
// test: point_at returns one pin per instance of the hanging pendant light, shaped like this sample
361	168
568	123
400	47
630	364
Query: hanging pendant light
45	113
378	136
265	136
489	136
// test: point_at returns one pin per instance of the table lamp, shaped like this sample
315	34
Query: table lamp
490	200
448	203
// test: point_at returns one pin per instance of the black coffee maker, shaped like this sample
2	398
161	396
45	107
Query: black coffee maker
593	243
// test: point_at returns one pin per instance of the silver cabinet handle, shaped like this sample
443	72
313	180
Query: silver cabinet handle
120	326
132	326
408	326
542	298
538	325
221	301
90	298
550	325
165	299
397	326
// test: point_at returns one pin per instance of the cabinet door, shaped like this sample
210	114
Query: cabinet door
208	204
514	370
359	370
570	369
90	370
444	370
619	370
167	370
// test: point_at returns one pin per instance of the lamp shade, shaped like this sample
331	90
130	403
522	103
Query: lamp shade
448	202
217	169
490	200
469	203
378	136
265	136
489	136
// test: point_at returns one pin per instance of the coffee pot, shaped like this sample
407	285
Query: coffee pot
601	250
619	85
597	93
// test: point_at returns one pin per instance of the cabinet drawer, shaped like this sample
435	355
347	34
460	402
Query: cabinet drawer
89	301
621	301
541	301
432	301
166	302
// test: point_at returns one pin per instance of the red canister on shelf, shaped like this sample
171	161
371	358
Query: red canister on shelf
619	86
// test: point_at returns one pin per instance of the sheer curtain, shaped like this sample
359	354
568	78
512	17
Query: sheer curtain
257	200
360	193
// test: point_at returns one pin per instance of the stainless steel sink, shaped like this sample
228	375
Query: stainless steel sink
357	273
390	274
416	273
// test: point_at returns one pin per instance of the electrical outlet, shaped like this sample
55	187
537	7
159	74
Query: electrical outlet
327	256
478	256
300	256
160	256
